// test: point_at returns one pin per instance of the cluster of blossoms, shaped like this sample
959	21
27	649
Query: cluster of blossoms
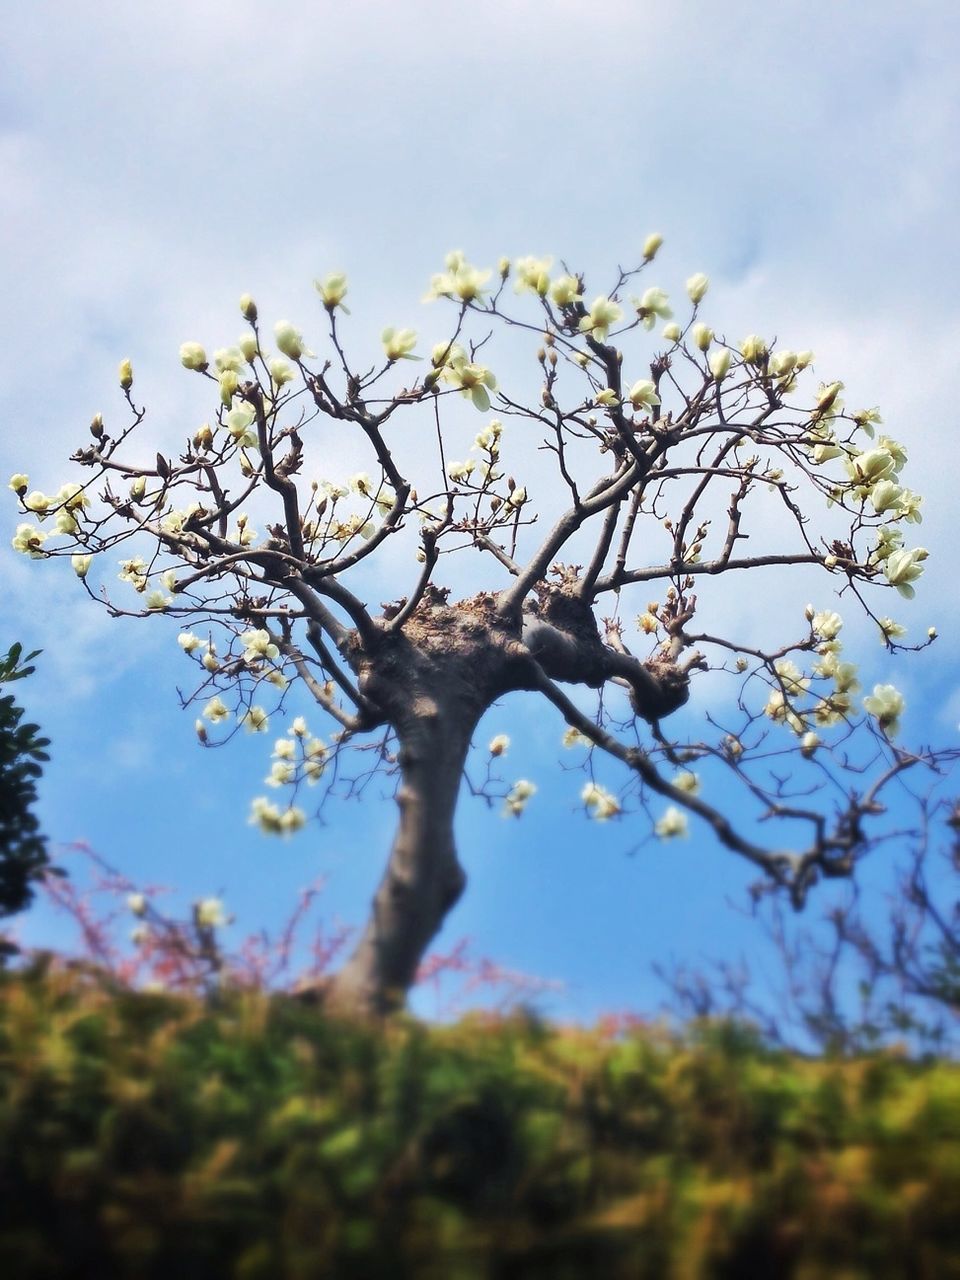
519	794
65	507
600	803
835	707
273	820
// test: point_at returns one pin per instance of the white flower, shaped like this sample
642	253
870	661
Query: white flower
280	371
687	781
903	567
332	289
228	359
672	824
499	744
134	571
890	630
601	804
157	601
520	793
398	343
602	314
291	820
651	245
209	660
653	303
249	345
248	308
720	363
869	467
460	472
265	815
781	363
281	772
886	703
809	743
533	275
215	711
37	502
299	727
827	624
574	738
81	565
460	280
125	373
753	349
192	356
702	336
565	290
229	382
255	720
188	642
643	394
827	396
697	287
474	380
19	482
290	340
137	903
258	645
885	495
209	913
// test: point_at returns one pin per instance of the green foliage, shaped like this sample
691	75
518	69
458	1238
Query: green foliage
23	850
149	1135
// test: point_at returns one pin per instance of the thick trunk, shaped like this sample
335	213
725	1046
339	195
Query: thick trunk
423	878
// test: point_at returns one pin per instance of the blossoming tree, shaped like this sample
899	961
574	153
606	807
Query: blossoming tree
650	458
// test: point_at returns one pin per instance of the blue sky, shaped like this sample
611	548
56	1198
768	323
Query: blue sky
159	160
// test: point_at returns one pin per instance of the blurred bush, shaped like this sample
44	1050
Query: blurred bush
146	1135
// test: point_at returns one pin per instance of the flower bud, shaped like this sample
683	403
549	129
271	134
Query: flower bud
248	308
19	483
81	565
720	363
290	340
248	345
672	332
651	245
96	426
697	287
503	266
126	374
229	382
193	356
702	336
753	349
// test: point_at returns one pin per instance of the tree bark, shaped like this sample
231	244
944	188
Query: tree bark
423	879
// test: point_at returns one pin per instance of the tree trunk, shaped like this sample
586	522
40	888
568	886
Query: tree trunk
423	878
